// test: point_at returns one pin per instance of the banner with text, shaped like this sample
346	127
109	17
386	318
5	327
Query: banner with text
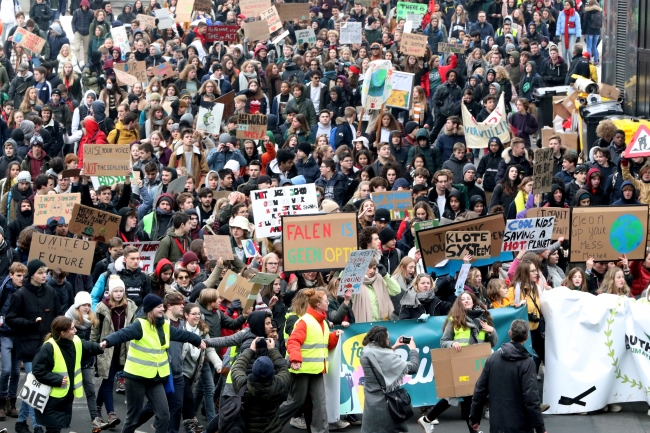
528	234
477	134
147	254
270	205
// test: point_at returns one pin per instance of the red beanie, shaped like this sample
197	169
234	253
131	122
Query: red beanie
188	258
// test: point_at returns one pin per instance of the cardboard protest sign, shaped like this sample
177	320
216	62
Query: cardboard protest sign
183	12
263	278
398	203
209	120
107	159
350	33
136	69
251	126
217	246
543	170
54	206
222	34
444	47
34	393
306	36
203	5
234	286
73	172
271	204
71	255
477	134
562	219
355	271
640	144
228	101
165	20
293	11
146	21
124	79
257	30
412	44
98	225
528	234
457	372
608	232
253	8
272	19
147	254
421	225
433	241
163	70
404	8
317	242
400	96
28	40
568	139
459	244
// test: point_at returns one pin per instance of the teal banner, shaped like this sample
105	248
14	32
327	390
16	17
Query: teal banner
420	386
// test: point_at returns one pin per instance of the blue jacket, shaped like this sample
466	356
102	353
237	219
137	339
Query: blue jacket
309	169
575	27
7	290
217	160
335	188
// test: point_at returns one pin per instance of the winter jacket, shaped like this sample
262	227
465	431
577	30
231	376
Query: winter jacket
125	136
509	377
529	84
640	185
488	167
485	29
19	86
7	290
304	106
575	28
432	158
335	187
554	74
27	304
199	163
64	291
217	320
433	306
217	160
446	100
106	327
36	166
593	14
310	169
137	284
579	66
509	160
81	21
434	36
172	247
41	14
446	141
456	166
525	124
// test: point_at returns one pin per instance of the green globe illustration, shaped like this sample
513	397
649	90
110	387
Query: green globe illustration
626	233
232	278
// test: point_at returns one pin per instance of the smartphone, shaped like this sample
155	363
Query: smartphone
406	340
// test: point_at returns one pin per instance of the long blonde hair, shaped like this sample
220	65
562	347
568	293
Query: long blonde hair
91	317
63	77
609	285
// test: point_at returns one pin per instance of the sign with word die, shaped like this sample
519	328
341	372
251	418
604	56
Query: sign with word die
251	126
34	393
71	255
54	206
398	203
459	244
270	205
98	225
318	242
528	234
107	159
355	271
147	254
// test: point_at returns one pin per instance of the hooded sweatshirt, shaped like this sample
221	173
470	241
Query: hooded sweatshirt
488	167
156	224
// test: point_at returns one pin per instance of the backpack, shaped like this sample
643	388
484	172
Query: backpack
292	78
231	416
596	20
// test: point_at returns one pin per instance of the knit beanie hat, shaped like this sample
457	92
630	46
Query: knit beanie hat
468	167
387	235
82	298
24	176
150	302
33	266
188	258
115	281
304	147
262	370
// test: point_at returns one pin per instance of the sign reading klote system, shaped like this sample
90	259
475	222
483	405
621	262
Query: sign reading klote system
270	205
459	244
528	234
71	255
318	242
107	159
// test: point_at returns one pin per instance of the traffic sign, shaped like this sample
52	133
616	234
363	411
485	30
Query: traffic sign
640	143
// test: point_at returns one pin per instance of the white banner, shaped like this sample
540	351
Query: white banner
605	356
271	204
147	254
34	393
477	134
209	120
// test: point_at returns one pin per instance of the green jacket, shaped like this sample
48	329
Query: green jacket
169	247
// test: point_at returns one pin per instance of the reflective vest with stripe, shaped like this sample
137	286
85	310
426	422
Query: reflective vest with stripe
462	336
314	349
61	368
284	330
233	356
147	357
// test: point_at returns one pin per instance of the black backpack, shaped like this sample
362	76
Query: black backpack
596	21
231	413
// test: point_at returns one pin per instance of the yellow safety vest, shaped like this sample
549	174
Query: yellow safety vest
462	336
147	357
61	368
286	318
233	355
314	349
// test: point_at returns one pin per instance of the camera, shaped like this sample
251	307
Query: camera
406	340
260	343
532	317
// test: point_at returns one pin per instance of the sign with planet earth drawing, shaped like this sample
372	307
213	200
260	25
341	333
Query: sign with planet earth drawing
400	96
606	233
355	271
234	286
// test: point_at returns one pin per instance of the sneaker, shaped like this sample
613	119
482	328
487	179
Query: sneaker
21	427
544	407
98	423
614	407
189	426
3	430
339	425
120	389
39	429
113	420
354	420
487	414
198	428
426	425
299	423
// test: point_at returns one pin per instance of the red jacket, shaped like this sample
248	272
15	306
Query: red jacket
93	135
299	334
641	276
424	82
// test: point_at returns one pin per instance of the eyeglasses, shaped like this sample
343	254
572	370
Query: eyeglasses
183	278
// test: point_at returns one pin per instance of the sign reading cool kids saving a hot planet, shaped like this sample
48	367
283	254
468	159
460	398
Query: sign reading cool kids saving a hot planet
318	242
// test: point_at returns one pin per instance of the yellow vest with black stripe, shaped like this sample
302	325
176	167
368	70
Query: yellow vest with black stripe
462	336
61	368
233	355
147	357
314	349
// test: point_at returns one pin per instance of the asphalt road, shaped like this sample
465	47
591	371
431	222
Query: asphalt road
632	419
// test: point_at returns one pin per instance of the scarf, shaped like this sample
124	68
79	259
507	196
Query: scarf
188	348
568	24
387	364
413	299
362	307
244	77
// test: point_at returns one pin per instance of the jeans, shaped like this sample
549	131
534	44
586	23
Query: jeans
136	390
25	409
592	47
105	393
10	369
205	391
88	375
175	404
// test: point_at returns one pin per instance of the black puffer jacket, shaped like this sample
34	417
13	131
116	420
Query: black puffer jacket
447	99
137	284
27	304
262	398
488	167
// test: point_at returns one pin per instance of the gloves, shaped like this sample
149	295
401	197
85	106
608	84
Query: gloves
101	81
382	270
624	162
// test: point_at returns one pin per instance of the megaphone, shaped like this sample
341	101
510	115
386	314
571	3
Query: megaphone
585	85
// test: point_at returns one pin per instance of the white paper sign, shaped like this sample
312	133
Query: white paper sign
270	205
415	20
121	40
528	234
306	36
350	33
210	120
165	20
355	271
147	254
462	277
35	393
280	40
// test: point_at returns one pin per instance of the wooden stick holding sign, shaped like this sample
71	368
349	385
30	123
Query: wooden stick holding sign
460	243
